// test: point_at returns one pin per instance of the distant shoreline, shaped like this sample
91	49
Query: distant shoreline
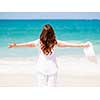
52	19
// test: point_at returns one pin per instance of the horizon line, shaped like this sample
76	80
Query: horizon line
51	19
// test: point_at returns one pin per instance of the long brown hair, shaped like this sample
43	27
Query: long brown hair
47	39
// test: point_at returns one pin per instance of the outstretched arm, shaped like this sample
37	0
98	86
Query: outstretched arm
66	44
27	44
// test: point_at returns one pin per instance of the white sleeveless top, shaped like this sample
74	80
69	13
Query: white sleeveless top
46	64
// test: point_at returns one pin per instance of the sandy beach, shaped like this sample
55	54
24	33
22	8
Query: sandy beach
73	71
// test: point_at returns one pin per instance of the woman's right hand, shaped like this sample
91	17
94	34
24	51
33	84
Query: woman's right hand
86	45
12	45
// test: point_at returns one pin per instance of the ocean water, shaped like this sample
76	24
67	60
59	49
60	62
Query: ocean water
21	31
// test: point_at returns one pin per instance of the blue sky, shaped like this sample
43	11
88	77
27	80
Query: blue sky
49	15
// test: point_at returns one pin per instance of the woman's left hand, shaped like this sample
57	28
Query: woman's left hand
12	45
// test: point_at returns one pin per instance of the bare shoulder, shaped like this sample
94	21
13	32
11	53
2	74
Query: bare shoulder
36	42
59	43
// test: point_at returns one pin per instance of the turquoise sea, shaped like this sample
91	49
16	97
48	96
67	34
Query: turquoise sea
20	31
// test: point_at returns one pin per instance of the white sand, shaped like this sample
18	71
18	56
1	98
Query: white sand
73	71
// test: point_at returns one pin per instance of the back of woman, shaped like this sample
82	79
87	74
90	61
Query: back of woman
46	63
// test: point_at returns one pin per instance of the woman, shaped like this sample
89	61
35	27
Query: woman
46	65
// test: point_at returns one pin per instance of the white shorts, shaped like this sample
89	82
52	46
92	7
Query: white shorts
47	80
